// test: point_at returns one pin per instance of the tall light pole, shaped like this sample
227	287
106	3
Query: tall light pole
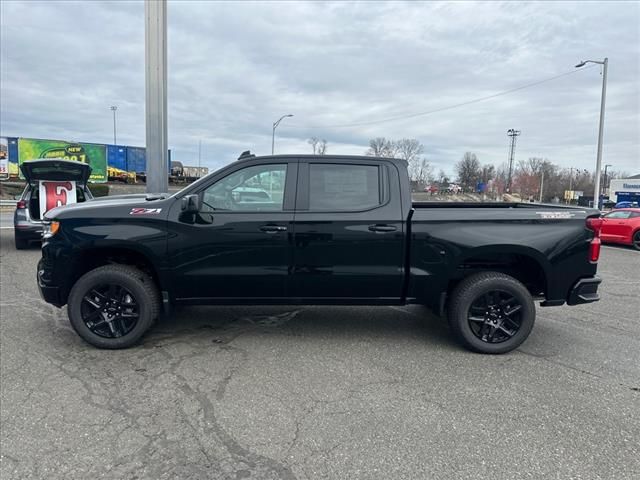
113	109
155	61
273	131
604	63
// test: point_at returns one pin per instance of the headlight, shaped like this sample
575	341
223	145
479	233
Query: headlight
50	229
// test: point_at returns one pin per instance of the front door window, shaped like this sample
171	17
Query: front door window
259	188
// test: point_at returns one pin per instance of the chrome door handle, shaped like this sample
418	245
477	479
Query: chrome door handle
273	228
382	228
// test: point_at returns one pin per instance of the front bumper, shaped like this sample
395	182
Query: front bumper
49	293
585	290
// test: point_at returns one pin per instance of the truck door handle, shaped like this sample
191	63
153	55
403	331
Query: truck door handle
382	228
272	228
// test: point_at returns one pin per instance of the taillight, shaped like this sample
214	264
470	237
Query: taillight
21	204
594	224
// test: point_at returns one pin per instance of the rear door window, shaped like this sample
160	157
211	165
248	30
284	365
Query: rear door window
343	187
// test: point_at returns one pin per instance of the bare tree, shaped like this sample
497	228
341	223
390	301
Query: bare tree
322	147
488	173
381	147
443	178
411	150
468	170
423	173
313	141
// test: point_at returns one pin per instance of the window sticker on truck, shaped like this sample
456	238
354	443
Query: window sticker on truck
145	211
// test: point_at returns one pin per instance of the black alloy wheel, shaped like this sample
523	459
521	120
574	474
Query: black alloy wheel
495	316
110	311
113	306
491	312
636	240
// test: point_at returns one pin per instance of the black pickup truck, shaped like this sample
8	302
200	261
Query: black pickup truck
296	229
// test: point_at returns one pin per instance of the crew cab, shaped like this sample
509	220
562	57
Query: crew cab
323	230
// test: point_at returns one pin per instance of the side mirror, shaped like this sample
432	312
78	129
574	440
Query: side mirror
191	203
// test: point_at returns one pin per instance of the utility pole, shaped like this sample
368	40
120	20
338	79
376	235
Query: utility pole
513	134
155	57
606	178
113	109
570	184
541	183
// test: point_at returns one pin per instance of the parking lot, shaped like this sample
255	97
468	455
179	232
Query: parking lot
320	392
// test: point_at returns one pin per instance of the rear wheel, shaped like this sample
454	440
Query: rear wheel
491	312
113	306
636	240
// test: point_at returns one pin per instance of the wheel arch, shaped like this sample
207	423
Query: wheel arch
526	264
90	258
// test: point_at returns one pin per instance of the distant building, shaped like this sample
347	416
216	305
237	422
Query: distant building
625	189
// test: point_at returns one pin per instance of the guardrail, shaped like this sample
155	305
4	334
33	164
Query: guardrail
8	203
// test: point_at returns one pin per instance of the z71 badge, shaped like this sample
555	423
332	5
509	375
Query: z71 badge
145	211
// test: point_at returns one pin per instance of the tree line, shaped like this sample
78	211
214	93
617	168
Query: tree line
527	176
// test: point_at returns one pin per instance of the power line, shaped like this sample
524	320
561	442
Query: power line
441	109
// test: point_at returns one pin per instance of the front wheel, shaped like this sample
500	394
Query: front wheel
491	312
113	306
636	240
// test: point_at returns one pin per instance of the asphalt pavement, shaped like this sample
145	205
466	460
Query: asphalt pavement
320	392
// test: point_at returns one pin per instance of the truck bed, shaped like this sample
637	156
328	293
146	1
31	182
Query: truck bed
546	206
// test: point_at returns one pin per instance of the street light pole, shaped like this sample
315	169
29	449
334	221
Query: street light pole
113	109
605	64
273	131
155	61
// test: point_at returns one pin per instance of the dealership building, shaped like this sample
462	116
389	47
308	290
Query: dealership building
625	189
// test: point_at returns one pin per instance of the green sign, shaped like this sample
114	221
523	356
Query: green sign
91	153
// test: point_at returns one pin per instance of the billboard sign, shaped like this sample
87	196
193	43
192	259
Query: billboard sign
573	194
4	158
91	153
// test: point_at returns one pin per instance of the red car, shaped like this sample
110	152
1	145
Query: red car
622	226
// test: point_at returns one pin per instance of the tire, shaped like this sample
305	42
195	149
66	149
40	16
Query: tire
21	243
485	328
635	240
89	305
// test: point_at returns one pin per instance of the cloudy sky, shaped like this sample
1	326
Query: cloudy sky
340	68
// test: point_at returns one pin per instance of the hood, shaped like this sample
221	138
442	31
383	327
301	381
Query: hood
119	206
56	171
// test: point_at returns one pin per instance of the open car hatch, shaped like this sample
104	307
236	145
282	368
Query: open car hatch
56	171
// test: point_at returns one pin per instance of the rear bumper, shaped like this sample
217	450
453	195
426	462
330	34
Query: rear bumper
28	232
585	290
